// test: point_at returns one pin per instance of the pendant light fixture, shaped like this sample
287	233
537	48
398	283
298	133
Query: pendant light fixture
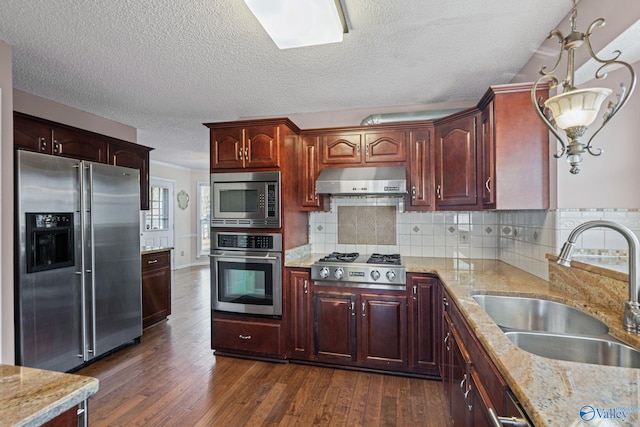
574	110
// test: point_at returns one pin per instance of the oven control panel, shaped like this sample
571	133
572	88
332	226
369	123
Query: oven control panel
243	241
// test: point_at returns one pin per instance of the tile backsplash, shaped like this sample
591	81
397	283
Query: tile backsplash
520	238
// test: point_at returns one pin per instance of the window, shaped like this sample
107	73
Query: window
158	216
204	212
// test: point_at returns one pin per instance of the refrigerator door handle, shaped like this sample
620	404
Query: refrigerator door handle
83	286
92	256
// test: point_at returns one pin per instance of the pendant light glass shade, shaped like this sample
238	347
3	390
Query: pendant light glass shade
297	23
578	107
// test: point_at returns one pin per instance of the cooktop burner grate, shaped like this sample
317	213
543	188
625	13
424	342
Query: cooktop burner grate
390	259
340	257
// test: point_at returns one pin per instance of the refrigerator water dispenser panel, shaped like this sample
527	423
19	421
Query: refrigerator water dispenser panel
50	241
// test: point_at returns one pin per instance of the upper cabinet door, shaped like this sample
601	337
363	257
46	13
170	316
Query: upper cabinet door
79	145
343	148
420	170
136	157
227	148
385	146
261	148
31	135
245	147
456	153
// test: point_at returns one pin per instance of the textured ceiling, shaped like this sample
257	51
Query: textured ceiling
167	66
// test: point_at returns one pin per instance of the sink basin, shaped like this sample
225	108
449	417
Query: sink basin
577	348
536	314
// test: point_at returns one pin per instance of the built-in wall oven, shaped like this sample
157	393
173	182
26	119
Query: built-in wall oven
246	273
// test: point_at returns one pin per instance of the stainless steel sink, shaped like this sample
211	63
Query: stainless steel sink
577	348
536	314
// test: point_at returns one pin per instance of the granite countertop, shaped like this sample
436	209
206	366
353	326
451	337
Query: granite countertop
31	397
552	392
154	249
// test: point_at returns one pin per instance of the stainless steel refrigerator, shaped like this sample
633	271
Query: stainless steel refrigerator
78	280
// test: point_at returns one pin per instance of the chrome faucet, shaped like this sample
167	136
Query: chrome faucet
631	320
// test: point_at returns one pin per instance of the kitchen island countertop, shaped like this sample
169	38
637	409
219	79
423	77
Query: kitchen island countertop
552	392
31	397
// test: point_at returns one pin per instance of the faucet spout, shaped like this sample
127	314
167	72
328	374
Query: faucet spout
632	306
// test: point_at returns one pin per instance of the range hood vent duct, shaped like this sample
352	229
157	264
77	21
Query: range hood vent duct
415	116
363	181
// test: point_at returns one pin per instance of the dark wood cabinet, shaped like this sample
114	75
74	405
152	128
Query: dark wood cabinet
363	146
135	157
471	380
248	144
514	146
47	137
420	168
308	171
300	318
334	326
361	328
156	287
456	161
383	331
248	336
425	318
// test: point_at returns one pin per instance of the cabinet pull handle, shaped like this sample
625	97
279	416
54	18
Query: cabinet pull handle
439	192
43	144
56	146
240	154
246	153
153	261
469	405
499	421
415	292
446	341
413	192
244	337
364	311
353	308
464	380
366	152
306	287
445	301
486	184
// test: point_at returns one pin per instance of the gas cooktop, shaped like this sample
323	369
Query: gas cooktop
382	271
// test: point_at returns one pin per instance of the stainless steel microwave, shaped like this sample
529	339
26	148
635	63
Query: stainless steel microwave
245	199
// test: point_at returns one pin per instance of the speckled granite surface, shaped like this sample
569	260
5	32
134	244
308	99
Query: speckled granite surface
31	397
552	392
154	249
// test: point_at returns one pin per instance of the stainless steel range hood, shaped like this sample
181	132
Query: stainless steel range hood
358	181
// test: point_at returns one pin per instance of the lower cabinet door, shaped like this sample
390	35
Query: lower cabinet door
383	338
334	331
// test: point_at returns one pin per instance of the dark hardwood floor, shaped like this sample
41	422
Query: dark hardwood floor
172	378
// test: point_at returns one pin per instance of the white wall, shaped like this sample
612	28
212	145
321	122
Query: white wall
610	180
185	251
6	206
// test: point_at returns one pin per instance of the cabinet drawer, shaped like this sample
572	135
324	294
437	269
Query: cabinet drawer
246	337
155	260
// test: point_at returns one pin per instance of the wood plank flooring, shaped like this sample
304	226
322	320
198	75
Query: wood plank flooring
172	378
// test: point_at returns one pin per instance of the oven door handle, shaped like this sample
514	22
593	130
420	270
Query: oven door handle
225	255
